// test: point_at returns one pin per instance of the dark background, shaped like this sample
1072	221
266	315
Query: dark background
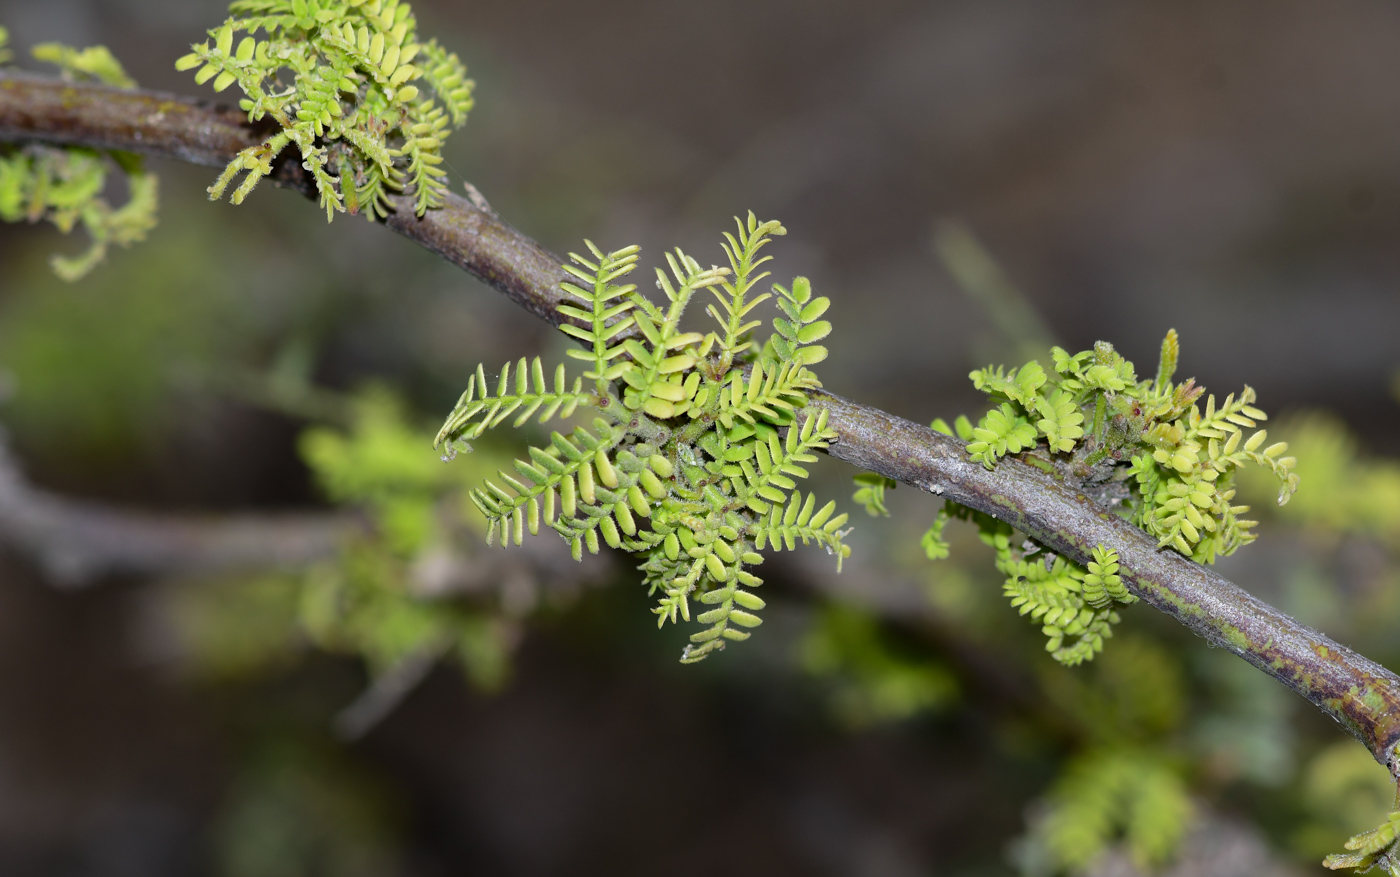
1230	170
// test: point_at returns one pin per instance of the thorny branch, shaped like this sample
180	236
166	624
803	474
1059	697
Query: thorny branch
1360	694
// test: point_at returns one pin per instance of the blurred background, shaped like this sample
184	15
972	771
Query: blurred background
967	182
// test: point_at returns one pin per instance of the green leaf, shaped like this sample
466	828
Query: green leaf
933	543
870	493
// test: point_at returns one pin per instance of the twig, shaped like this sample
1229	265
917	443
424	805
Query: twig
1361	695
386	691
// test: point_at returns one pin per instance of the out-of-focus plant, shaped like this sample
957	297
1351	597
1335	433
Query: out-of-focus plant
1347	492
372	600
298	807
366	602
867	678
64	185
97	366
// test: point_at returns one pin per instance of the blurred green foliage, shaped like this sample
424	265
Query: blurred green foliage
300	807
96	364
868	677
239	627
365	603
1105	792
1347	492
1343	787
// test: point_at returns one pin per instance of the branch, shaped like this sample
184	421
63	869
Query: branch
76	542
1360	694
169	126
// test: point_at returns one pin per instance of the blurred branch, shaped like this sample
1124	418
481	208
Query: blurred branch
1360	694
76	542
387	691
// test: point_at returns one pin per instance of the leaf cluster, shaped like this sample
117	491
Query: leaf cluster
367	105
870	493
1378	847
1109	793
1147	444
1144	446
64	185
1074	605
95	62
697	443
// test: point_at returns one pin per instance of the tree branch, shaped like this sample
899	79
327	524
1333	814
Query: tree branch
1360	694
76	542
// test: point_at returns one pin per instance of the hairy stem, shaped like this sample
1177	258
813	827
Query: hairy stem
1360	694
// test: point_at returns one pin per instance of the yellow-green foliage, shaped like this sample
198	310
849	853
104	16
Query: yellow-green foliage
1379	846
1347	493
94	62
1181	459
934	545
1073	605
1106	794
871	680
692	458
364	603
4	46
367	105
870	493
1076	616
1145	446
64	185
1343	787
